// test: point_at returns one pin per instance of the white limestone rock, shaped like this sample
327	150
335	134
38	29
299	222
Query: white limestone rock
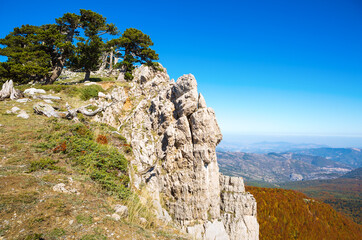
32	91
14	110
45	109
215	231
121	210
50	97
116	217
196	231
173	135
61	187
201	102
185	95
239	209
23	100
89	83
23	114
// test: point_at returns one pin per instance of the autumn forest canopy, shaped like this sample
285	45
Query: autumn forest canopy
77	42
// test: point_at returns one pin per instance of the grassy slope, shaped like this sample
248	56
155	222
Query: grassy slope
30	208
287	214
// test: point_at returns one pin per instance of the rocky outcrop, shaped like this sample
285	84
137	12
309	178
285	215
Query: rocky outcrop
173	135
238	209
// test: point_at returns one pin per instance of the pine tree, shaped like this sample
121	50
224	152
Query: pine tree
27	55
89	49
136	47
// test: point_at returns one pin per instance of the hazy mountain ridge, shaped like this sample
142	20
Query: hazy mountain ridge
265	147
350	156
355	174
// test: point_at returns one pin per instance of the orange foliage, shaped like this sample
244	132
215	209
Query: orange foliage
102	139
287	214
60	148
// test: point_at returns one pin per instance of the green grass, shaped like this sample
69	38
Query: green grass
84	219
88	92
45	163
103	163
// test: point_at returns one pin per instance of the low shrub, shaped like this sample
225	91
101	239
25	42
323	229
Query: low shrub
88	92
44	163
102	139
103	163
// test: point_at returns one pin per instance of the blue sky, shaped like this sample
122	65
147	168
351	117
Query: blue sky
266	67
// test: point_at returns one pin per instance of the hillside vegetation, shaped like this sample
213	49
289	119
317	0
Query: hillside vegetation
287	214
343	194
62	179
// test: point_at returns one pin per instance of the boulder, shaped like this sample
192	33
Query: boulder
32	91
45	109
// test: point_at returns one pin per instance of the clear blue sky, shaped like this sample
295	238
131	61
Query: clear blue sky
266	67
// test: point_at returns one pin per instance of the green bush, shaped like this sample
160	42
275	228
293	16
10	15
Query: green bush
103	163
45	163
88	92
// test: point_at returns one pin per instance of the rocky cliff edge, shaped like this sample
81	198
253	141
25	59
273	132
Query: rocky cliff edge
173	135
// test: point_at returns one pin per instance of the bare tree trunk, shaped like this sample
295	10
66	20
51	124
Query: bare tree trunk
57	70
103	62
111	61
87	75
8	91
59	65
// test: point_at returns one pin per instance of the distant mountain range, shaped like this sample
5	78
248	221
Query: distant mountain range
349	156
303	164
265	147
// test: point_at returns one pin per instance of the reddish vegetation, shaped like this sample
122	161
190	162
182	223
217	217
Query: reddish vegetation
287	214
60	148
342	194
102	139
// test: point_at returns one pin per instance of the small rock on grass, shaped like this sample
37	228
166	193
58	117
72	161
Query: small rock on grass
122	210
23	114
143	220
14	110
32	91
23	100
116	217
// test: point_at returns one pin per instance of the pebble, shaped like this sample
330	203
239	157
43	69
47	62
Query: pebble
116	217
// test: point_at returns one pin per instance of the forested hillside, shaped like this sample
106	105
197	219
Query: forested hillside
344	194
287	214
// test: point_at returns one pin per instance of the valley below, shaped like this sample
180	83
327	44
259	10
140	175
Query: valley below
330	175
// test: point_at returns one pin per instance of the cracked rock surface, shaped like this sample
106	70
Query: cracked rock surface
173	135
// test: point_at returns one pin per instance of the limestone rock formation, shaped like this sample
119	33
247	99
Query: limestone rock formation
173	135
